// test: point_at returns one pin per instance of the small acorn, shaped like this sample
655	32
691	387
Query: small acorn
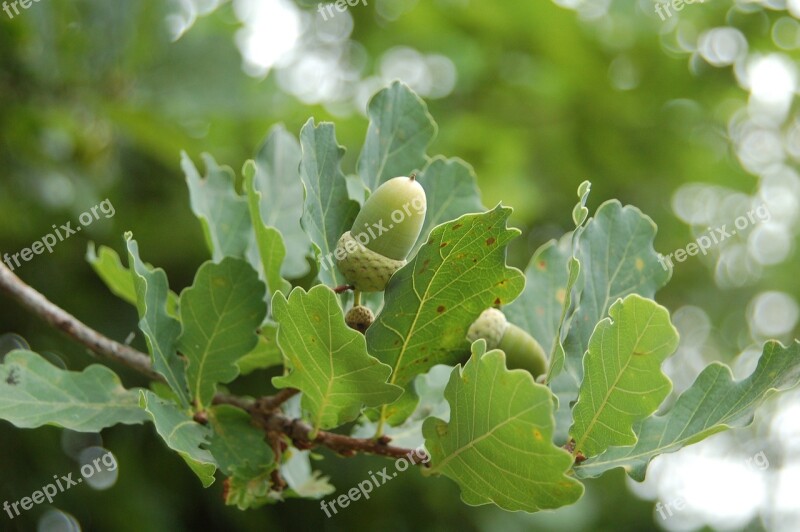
521	349
385	230
359	318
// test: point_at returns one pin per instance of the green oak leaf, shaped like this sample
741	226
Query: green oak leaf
616	254
329	360
220	313
498	443
238	447
451	189
266	353
160	330
622	378
400	131
108	266
329	211
277	178
431	302
558	354
220	209
714	403
181	434
613	257
580	212
539	308
269	241
34	393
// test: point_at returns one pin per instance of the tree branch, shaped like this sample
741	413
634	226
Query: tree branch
301	434
59	319
265	411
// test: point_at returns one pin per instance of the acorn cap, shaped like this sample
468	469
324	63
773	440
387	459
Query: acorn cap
359	318
391	219
491	326
363	268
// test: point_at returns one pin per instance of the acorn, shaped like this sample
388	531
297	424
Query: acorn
383	234
521	349
359	318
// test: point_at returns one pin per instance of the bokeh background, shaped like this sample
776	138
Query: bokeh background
693	119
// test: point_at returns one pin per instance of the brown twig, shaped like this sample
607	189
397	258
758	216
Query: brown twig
265	410
302	436
40	306
343	288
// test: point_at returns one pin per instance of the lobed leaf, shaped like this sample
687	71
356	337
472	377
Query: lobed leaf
34	393
431	302
107	265
538	309
714	403
222	212
277	178
221	313
498	444
329	360
160	330
616	255
268	240
622	378
181	434
400	130
329	211
237	446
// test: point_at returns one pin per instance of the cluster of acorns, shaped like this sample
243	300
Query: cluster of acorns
368	260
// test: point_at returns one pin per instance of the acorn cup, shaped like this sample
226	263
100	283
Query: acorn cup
521	349
359	318
383	234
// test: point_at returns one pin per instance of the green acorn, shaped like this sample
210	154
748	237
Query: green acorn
385	230
359	318
521	349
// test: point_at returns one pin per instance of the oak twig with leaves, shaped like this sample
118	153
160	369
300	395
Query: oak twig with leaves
411	377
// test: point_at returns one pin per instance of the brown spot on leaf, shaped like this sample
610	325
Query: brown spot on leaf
561	294
443	245
457	226
490	241
497	301
542	265
425	266
440	309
